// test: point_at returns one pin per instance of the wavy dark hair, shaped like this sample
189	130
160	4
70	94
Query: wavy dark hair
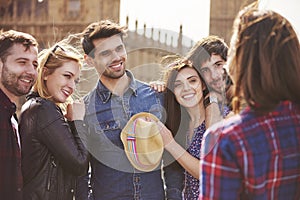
264	60
11	37
100	29
205	48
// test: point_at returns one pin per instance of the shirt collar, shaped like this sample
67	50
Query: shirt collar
105	94
6	103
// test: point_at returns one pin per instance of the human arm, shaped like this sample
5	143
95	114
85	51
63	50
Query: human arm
62	138
186	160
220	177
75	111
212	110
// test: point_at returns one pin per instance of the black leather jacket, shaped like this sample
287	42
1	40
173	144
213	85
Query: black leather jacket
53	155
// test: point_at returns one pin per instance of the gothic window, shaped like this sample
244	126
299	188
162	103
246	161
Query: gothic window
23	8
74	8
41	8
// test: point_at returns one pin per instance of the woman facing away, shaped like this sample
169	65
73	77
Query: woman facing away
190	109
53	155
256	154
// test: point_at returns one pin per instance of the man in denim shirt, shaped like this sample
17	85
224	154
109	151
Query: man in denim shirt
117	97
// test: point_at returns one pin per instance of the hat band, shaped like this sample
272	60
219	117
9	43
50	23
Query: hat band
131	141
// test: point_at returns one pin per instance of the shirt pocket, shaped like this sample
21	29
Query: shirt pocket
108	134
107	146
108	126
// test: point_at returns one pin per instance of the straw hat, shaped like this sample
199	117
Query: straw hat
142	141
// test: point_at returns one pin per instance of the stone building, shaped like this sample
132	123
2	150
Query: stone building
222	14
51	20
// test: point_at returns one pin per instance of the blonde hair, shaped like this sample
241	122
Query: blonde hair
49	60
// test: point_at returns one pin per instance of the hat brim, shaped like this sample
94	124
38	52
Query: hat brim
143	149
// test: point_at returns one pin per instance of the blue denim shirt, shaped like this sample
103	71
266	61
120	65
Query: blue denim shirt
112	176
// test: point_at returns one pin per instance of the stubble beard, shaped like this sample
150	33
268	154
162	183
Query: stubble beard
113	75
219	90
10	81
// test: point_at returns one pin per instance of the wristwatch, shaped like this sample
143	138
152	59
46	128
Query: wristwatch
210	99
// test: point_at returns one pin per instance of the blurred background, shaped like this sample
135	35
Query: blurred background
156	27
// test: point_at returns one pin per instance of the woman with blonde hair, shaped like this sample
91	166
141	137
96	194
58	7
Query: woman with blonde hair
53	155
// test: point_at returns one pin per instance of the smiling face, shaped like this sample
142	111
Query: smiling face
188	88
110	57
61	83
212	72
19	70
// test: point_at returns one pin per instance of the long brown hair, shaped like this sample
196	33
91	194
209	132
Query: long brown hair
177	119
264	60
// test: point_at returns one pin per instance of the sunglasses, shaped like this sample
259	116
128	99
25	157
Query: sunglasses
57	47
180	63
54	52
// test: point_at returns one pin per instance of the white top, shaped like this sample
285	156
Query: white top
16	129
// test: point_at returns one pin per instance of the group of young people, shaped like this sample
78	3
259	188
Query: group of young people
47	151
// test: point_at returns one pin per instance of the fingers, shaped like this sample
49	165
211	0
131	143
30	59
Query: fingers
80	101
76	110
161	88
69	112
158	86
148	119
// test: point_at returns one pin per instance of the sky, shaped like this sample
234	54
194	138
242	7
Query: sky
192	14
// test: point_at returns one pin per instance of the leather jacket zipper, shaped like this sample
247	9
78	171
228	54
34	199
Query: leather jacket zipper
52	165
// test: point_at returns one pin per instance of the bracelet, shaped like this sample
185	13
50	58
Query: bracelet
209	100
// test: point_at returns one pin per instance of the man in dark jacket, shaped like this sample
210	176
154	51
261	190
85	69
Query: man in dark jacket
18	63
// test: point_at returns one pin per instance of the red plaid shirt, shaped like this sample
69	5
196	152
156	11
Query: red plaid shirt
253	157
10	156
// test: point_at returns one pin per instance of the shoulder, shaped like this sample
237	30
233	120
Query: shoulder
226	124
222	130
145	87
141	84
40	109
38	104
87	98
4	100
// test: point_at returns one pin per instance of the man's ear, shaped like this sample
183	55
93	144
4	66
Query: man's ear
89	60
